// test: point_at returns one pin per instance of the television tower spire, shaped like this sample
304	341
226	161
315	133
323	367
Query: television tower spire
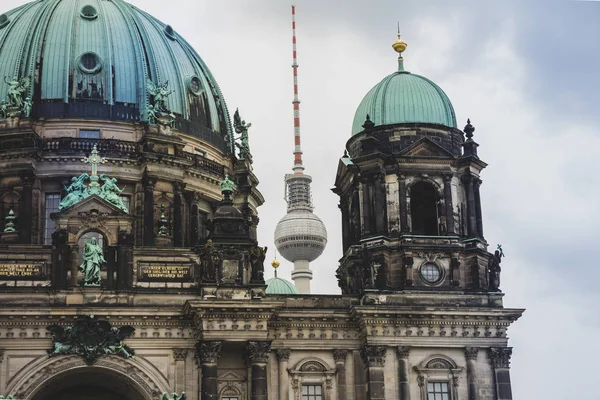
298	166
300	236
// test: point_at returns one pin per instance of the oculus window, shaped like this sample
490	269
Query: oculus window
431	273
89	63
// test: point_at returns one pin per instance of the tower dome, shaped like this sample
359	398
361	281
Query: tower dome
403	97
277	285
94	60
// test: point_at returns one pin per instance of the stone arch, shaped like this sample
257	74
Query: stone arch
312	364
439	361
42	372
111	240
424	200
313	370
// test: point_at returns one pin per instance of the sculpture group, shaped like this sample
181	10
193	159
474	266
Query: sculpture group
90	338
18	103
78	190
158	113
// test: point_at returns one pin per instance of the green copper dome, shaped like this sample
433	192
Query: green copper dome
403	97
280	286
93	59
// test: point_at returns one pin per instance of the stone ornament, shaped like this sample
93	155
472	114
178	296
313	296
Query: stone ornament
208	352
500	356
93	259
180	354
340	355
403	351
158	113
283	354
258	352
175	396
9	222
471	353
373	356
90	338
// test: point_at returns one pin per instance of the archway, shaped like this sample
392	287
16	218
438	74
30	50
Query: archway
90	383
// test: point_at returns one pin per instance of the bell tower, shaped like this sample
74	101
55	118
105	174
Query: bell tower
414	249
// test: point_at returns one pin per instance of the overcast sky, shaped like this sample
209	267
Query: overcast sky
526	73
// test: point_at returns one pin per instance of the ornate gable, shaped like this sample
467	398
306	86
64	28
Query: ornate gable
427	148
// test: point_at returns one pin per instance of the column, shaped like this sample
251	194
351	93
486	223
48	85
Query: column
402	202
124	260
367	207
471	216
471	357
60	259
178	214
478	216
193	224
26	210
283	356
340	357
258	354
179	356
148	223
74	265
403	383
343	206
500	358
208	354
449	205
111	266
374	359
380	203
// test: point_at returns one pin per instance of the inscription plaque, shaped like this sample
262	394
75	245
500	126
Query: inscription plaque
22	271
165	272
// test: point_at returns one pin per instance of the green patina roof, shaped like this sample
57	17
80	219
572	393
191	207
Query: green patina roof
280	286
403	97
131	45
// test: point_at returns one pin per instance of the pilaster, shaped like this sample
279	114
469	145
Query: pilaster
374	359
403	383
283	356
471	354
500	359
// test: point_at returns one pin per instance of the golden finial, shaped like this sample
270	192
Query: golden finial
399	45
275	263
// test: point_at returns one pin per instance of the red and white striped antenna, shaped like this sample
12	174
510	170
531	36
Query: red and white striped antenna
298	167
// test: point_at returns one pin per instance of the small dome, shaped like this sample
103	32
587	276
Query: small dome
403	97
300	235
280	286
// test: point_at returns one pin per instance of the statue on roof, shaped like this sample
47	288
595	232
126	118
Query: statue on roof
158	112
18	102
494	269
76	192
243	145
111	192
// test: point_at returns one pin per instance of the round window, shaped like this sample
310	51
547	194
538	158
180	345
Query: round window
170	32
195	85
431	273
90	63
89	12
4	20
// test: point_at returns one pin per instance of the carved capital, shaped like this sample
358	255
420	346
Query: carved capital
500	356
208	352
178	187
340	355
258	352
27	178
283	354
180	354
149	182
447	178
471	353
467	179
403	352
373	356
1	355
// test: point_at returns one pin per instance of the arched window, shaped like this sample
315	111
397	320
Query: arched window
423	209
438	378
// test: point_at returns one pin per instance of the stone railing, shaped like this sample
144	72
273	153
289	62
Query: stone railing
79	145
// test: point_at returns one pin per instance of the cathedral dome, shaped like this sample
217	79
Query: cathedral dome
280	286
402	98
93	60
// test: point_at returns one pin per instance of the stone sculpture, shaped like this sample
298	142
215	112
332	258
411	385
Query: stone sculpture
257	260
163	230
211	259
76	192
9	222
90	338
93	259
158	113
110	192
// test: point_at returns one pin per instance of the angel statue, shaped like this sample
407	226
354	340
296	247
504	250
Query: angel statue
76	191
93	259
242	127
110	192
181	396
16	89
158	113
114	342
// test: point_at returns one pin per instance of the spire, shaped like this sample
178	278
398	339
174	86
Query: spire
298	167
399	46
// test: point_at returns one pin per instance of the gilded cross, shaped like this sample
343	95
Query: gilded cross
94	159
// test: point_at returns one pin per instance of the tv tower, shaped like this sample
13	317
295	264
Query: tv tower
300	236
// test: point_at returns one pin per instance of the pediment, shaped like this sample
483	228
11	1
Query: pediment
231	376
426	148
92	203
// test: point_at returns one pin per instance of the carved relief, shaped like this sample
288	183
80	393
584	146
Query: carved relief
180	354
373	356
258	352
340	355
283	354
500	356
403	351
208	352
